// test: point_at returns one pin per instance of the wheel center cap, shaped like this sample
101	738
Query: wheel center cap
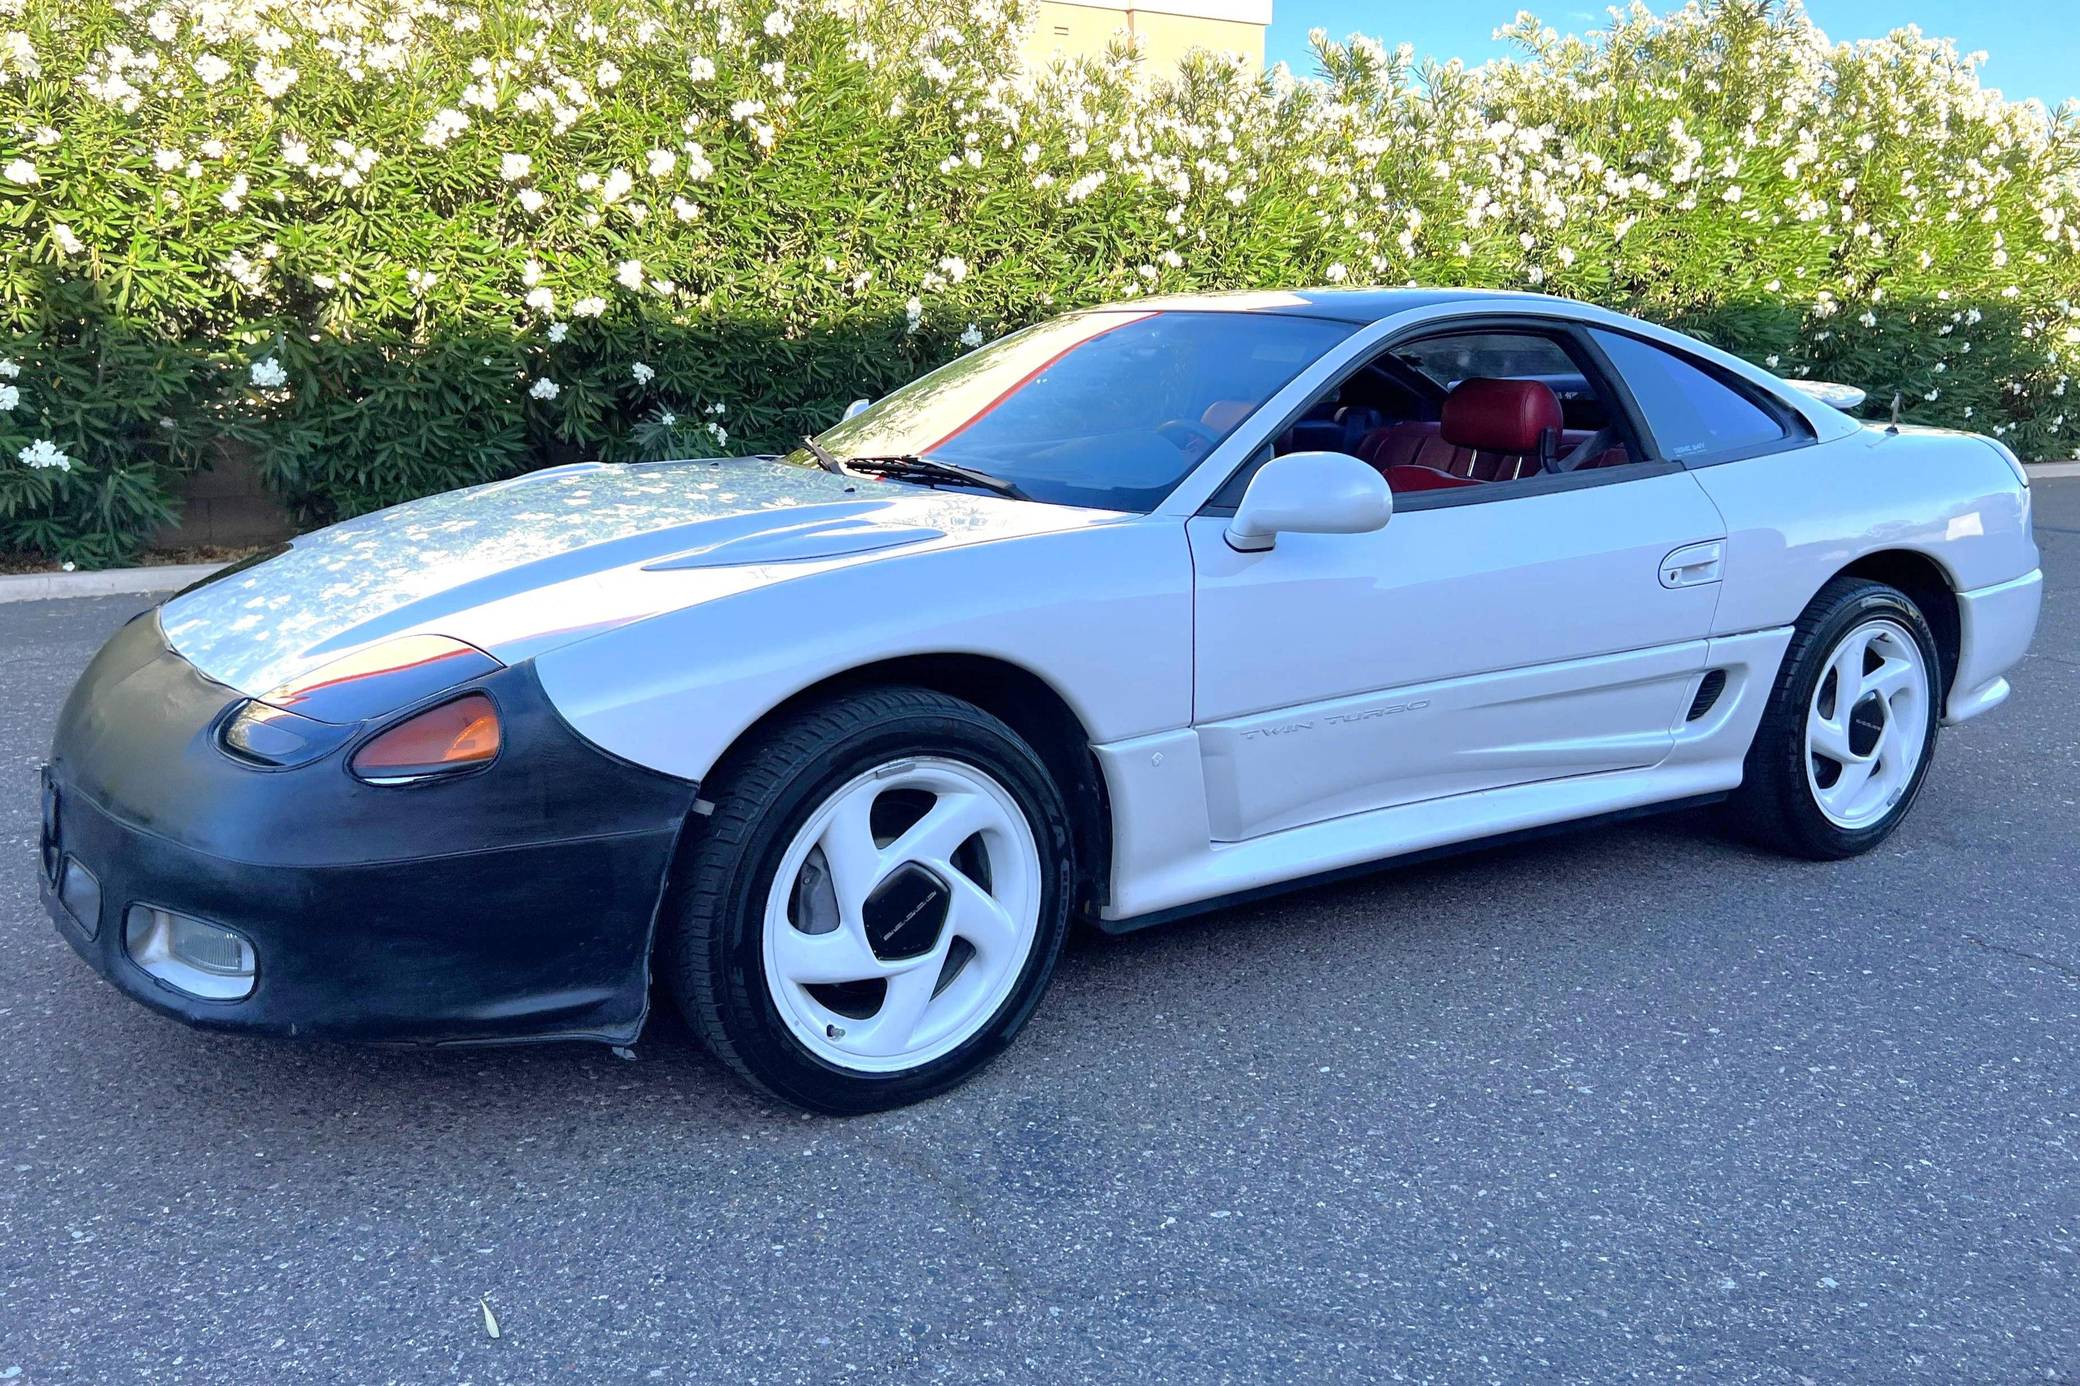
906	912
1867	725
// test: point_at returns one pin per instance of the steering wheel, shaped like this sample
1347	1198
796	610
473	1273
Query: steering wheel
1595	445
1182	434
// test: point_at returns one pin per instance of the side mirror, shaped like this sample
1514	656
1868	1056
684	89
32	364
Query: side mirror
1310	493
855	407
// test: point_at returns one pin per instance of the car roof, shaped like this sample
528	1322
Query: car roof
1340	305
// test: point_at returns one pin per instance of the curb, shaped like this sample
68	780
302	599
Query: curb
109	582
2051	469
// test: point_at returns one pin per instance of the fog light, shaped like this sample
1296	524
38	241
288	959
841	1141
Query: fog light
188	954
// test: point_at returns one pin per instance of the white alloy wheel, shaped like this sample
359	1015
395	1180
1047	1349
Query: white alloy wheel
902	915
1867	724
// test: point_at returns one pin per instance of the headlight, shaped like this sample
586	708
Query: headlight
267	735
445	740
316	713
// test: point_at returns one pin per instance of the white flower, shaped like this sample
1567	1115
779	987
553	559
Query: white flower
617	185
629	274
67	241
445	126
295	152
531	200
643	373
718	433
590	307
701	69
211	69
10	396
268	374
972	337
273	81
10	369
166	160
44	454
163	25
608	75
542	299
1337	272
558	331
779	23
545	388
20	171
661	162
514	167
667	418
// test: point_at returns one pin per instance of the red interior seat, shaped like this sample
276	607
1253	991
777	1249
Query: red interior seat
1491	430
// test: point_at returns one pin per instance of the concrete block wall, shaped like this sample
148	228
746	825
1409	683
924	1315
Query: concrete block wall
226	507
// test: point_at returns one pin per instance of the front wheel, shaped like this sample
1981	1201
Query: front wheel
1850	729
875	905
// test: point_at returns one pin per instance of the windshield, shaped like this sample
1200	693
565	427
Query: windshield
1107	409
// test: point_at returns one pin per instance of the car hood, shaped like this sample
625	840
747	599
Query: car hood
521	566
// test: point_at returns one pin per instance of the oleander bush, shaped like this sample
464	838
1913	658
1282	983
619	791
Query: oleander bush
390	247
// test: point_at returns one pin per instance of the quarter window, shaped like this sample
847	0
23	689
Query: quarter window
1692	413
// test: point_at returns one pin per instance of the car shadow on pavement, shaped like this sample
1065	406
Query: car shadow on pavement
1394	931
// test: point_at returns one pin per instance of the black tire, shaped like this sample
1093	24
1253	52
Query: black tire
1775	804
710	946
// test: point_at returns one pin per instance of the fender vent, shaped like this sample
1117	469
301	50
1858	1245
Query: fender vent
1708	692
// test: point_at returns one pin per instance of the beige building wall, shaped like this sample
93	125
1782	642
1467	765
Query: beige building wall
1167	29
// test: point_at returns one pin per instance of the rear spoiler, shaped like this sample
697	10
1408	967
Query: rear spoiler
1843	397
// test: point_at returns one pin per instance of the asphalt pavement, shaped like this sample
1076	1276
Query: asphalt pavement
1632	1104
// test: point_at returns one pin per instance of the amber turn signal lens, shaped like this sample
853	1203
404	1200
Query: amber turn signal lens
455	736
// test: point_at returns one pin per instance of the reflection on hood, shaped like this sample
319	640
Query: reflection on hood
518	566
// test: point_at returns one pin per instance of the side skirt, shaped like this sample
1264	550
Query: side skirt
1166	860
1157	918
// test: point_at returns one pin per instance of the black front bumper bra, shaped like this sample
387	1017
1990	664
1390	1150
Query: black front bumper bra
515	902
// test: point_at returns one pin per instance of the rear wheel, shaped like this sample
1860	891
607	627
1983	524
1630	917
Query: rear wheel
1845	743
875	905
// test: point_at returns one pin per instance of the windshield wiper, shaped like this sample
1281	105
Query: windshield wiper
911	467
825	458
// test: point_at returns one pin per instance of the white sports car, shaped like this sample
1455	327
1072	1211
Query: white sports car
1128	614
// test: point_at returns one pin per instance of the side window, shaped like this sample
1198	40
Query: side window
1480	412
1510	407
1496	355
1691	412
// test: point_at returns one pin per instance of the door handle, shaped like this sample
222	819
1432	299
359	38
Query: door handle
1694	564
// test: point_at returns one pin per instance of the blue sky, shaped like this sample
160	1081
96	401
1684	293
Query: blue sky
2032	46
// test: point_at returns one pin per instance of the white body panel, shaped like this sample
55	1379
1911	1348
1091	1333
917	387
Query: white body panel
1258	717
1165	856
1102	613
1454	650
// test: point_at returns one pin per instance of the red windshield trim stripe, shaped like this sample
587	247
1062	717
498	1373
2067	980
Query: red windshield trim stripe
979	415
